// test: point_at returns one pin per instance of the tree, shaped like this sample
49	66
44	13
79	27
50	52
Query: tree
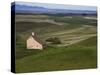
54	40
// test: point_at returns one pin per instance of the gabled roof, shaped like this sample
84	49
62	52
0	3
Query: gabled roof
37	39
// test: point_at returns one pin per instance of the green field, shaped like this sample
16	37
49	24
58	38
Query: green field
78	48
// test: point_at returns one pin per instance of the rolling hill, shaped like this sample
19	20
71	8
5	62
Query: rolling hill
78	56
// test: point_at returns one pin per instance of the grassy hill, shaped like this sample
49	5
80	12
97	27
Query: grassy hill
79	56
76	51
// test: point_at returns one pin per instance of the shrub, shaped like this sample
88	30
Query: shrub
54	40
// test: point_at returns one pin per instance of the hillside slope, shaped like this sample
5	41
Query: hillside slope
79	56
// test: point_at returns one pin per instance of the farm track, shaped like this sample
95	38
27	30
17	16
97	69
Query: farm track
70	31
68	38
79	39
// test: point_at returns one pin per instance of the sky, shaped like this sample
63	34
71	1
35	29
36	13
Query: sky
58	6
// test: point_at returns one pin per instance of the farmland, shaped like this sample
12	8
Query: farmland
78	48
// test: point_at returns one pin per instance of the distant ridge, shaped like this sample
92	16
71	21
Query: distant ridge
22	8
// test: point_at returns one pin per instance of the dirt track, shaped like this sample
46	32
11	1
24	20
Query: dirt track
70	38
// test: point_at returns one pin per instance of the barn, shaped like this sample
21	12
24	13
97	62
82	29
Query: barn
33	42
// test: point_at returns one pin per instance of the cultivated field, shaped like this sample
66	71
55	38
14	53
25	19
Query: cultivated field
78	48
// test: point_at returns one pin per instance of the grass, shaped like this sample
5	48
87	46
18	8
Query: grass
89	42
76	20
78	56
81	55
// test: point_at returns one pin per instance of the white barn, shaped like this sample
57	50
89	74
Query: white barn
34	43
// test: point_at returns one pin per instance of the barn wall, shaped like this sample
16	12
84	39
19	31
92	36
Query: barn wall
33	44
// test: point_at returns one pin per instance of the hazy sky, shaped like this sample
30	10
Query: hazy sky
58	6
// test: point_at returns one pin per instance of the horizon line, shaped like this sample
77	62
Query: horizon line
57	6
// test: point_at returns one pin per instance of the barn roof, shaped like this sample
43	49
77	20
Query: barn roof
37	39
